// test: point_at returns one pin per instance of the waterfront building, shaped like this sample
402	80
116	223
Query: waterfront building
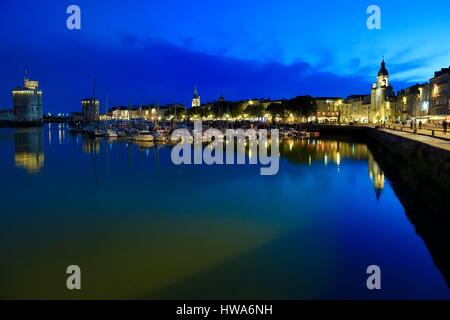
195	99
424	99
353	109
149	112
356	109
428	102
411	102
27	106
91	110
345	112
440	92
328	109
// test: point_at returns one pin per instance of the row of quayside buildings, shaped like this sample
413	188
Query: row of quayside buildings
428	103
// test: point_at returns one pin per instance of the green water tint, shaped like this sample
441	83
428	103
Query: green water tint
141	227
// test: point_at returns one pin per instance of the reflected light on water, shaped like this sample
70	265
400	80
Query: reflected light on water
29	150
167	231
31	162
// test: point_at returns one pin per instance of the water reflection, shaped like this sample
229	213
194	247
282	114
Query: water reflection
301	151
310	150
144	145
168	231
91	145
376	175
29	150
333	152
423	191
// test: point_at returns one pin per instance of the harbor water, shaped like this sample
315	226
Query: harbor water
140	227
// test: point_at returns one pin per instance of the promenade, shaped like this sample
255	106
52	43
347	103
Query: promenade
434	137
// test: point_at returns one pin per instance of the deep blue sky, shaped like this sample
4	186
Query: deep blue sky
146	51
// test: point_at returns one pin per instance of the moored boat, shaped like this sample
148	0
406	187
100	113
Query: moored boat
142	135
159	136
110	133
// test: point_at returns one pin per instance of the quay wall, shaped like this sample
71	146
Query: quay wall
426	168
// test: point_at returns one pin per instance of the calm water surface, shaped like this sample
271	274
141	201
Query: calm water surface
141	227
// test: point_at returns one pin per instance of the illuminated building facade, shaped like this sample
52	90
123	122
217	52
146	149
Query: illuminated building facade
428	102
145	112
129	113
356	109
412	102
440	92
328	109
27	106
353	109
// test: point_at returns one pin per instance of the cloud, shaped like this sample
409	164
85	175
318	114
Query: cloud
139	71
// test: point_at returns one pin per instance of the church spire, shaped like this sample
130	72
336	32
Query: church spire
196	98
195	92
383	71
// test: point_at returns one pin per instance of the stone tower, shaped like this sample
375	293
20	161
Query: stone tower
91	110
381	94
27	102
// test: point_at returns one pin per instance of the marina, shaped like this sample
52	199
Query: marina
163	134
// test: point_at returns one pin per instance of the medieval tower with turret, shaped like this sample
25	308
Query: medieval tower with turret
27	102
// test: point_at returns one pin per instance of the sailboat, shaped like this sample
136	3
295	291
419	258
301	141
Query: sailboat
158	134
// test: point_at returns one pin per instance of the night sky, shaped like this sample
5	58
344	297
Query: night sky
146	51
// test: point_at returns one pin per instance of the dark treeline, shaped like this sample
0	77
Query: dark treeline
301	106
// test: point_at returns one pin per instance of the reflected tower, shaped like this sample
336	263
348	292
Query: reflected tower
29	150
376	176
91	146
